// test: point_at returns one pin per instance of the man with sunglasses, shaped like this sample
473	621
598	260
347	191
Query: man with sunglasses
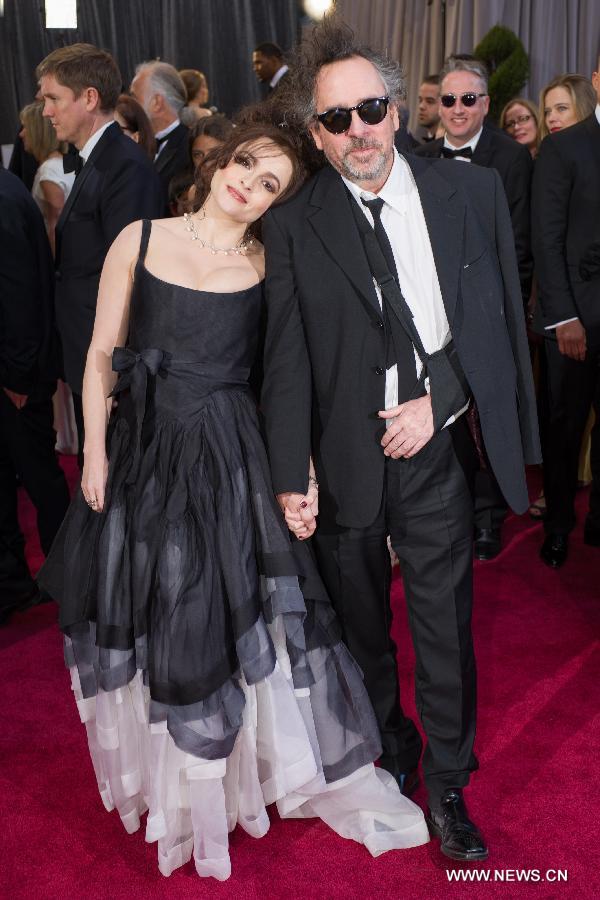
464	104
392	295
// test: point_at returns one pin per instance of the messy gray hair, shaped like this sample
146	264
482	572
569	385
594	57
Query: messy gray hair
466	64
165	80
330	41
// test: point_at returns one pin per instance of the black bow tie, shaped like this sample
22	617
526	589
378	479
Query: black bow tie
72	161
161	140
448	153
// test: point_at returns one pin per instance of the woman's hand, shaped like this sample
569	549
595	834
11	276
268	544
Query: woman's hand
93	480
301	510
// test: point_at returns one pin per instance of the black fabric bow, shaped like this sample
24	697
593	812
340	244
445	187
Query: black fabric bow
448	153
589	264
161	140
133	369
72	161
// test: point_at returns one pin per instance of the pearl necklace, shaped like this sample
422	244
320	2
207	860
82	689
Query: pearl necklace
239	250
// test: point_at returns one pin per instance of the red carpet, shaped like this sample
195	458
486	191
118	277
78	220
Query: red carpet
536	794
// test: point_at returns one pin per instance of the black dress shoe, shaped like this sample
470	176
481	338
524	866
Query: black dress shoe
555	550
591	534
487	543
460	838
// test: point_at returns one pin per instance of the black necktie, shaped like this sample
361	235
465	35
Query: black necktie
448	153
399	346
72	161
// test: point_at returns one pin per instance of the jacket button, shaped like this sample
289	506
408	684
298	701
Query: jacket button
377	323
379	370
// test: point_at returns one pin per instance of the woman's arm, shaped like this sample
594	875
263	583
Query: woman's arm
110	330
54	200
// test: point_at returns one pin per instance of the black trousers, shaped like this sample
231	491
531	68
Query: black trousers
572	388
428	512
27	440
490	506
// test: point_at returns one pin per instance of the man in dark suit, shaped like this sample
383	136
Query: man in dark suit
269	66
344	384
566	244
464	104
160	90
29	366
115	185
429	107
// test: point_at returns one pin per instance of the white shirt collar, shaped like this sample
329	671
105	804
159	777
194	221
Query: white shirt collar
396	190
167	130
598	113
86	150
278	74
472	143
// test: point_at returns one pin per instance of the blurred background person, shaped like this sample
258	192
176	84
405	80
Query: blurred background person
51	184
429	109
268	64
565	101
158	87
133	121
206	135
519	119
196	88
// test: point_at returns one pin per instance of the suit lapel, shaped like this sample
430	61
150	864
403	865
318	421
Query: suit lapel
333	221
444	212
483	151
170	149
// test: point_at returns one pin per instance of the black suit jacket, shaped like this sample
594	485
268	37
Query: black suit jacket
513	163
566	225
325	348
116	186
28	340
173	158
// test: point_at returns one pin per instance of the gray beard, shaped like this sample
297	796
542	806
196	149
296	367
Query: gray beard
355	174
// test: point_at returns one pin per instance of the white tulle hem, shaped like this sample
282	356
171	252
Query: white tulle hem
193	804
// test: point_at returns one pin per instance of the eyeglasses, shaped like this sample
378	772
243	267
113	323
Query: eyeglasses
520	120
339	119
468	99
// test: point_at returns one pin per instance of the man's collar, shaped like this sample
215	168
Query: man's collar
165	131
278	75
400	183
86	150
472	143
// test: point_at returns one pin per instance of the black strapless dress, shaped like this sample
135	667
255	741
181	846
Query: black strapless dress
205	657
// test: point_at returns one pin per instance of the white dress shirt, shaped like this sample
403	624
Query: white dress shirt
472	144
403	219
278	74
86	150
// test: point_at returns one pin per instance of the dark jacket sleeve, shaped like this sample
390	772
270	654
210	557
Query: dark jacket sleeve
515	325
552	185
133	193
517	185
286	394
21	332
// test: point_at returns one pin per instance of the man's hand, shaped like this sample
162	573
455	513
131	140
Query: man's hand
300	511
410	430
571	340
18	400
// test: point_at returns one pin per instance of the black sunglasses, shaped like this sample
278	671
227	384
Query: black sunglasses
468	99
339	119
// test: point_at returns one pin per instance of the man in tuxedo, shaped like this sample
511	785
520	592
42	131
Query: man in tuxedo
464	104
160	90
115	185
392	297
268	65
429	107
29	366
566	245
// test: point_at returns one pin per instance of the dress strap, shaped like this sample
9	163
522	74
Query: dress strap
146	229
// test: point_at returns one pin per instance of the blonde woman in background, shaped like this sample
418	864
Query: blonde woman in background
565	101
51	187
519	119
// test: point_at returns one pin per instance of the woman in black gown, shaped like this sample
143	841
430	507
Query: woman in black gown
204	655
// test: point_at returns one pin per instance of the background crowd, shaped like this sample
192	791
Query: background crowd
62	207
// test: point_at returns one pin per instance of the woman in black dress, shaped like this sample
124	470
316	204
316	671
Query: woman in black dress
204	654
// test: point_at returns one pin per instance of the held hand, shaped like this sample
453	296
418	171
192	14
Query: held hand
411	428
93	480
300	511
572	340
18	400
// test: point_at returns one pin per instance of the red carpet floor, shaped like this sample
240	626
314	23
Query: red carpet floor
536	794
